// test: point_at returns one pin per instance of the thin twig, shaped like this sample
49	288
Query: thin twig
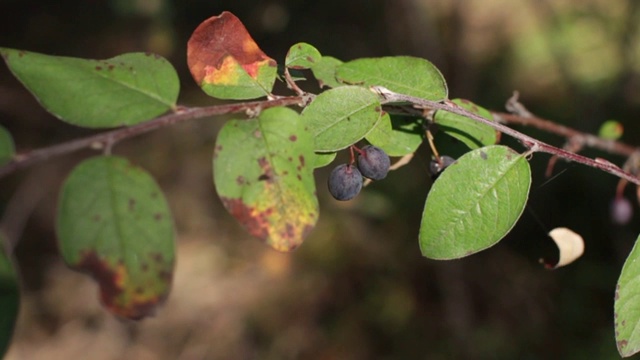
109	138
532	144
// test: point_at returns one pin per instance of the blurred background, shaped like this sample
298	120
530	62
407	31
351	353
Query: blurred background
358	288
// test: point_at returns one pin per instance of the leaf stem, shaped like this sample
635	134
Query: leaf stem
109	138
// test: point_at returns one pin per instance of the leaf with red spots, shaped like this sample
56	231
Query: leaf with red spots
114	224
302	56
124	90
9	297
626	314
263	172
226	62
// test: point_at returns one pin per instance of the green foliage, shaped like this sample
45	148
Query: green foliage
626	311
9	297
472	133
474	203
402	74
115	224
325	71
397	135
123	90
263	172
7	148
302	56
340	117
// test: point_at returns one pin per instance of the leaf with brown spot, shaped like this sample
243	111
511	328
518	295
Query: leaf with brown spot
226	62
124	90
114	224
276	200
627	316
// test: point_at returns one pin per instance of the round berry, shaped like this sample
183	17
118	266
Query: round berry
436	167
621	211
373	162
345	182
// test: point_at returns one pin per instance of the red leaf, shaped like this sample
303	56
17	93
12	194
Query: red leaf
221	53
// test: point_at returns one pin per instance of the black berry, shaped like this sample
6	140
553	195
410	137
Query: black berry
621	211
436	167
345	182
373	162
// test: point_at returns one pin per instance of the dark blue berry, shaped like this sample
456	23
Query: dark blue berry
373	162
436	167
345	182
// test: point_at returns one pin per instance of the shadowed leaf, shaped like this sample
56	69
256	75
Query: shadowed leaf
226	62
9	297
626	312
325	72
470	132
397	135
7	148
263	172
114	224
124	90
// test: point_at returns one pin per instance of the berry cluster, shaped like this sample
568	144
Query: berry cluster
345	181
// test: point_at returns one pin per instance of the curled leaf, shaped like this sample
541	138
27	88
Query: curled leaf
226	62
570	244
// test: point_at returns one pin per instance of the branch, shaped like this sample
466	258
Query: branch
107	139
532	144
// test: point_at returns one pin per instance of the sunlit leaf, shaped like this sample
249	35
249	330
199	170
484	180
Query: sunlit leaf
570	246
339	117
611	130
325	71
626	311
472	133
114	224
123	90
7	148
263	172
226	62
401	74
9	297
474	202
302	56
397	135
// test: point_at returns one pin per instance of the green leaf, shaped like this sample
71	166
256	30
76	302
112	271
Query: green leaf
401	74
114	224
472	133
626	310
474	203
611	130
7	148
124	90
226	62
263	173
397	135
302	56
9	297
340	117
323	159
325	72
